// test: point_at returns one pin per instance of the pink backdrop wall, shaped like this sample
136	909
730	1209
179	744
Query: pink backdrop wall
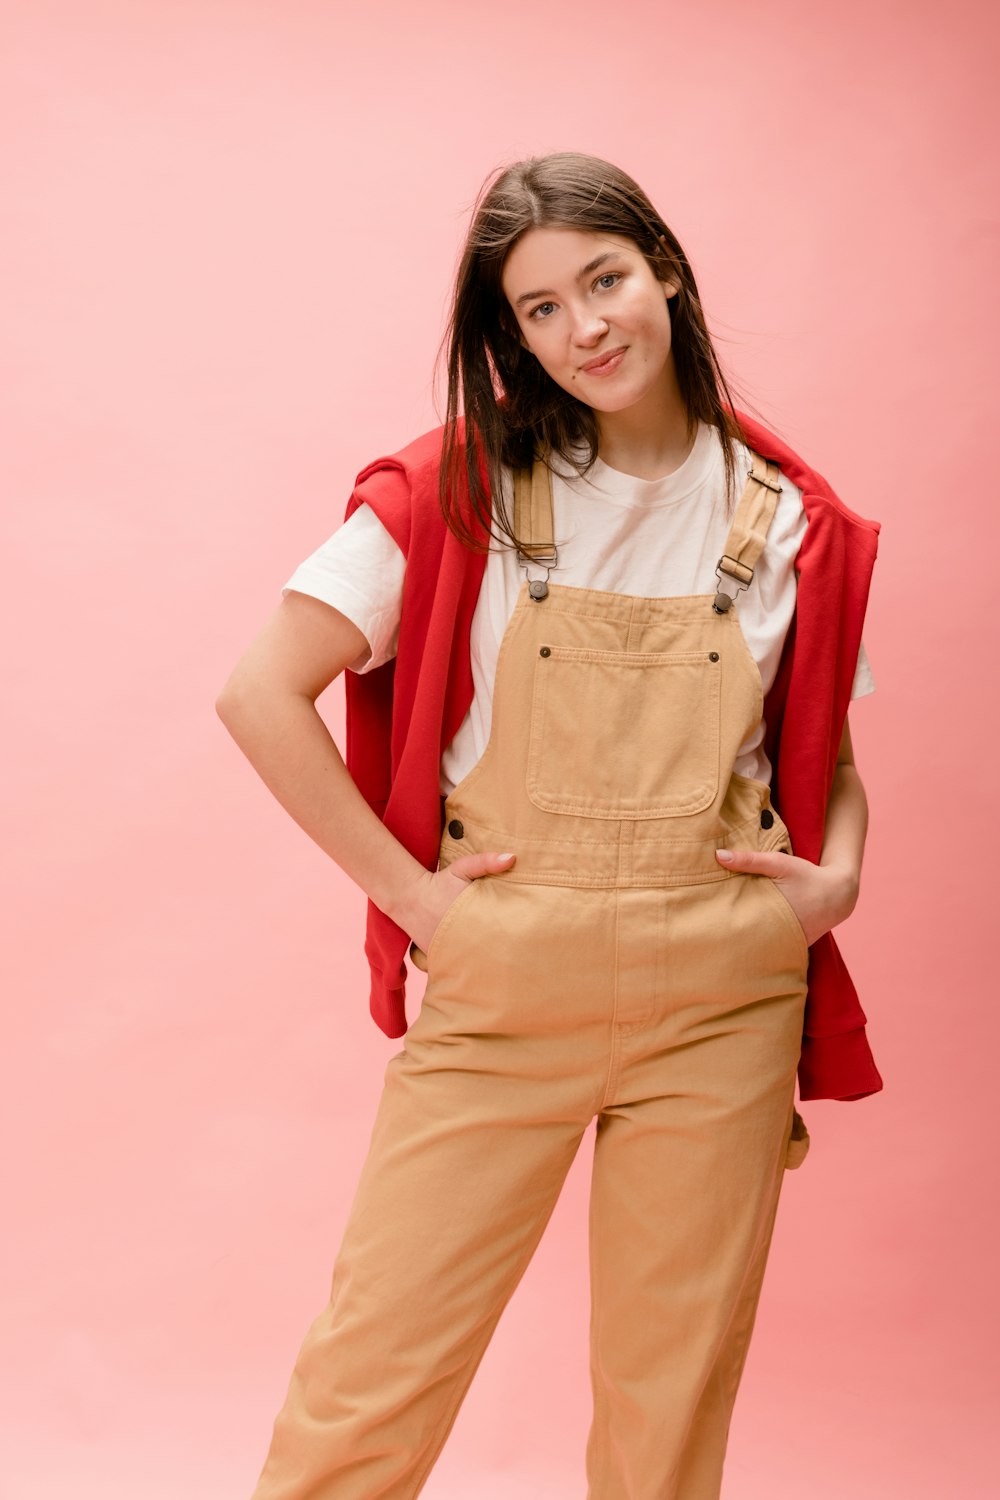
230	232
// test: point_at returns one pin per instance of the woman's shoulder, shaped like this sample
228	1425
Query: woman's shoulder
401	487
419	460
818	495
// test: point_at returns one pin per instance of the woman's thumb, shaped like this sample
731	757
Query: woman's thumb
753	861
471	866
489	862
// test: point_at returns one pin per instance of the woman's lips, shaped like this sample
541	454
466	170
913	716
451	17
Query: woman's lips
608	366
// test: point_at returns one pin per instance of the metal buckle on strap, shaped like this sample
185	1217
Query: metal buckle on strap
743	579
538	588
770	484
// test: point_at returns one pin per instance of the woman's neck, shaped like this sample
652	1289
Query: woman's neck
650	439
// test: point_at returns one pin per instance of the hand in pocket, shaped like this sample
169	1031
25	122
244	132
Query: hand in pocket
820	895
435	891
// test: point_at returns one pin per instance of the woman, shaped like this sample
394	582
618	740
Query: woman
566	754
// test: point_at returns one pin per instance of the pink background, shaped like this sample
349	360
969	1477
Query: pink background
230	231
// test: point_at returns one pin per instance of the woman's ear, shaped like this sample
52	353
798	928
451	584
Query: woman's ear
670	288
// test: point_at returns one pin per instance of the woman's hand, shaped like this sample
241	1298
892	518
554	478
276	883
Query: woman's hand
820	895
435	890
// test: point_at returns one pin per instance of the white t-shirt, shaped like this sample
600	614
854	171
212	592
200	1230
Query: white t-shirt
650	537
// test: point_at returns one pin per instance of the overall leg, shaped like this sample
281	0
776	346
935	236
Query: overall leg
688	1165
471	1143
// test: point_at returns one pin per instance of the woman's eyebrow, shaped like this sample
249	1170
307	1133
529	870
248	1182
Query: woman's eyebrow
591	265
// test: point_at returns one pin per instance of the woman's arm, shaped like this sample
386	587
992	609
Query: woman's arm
268	705
846	826
824	894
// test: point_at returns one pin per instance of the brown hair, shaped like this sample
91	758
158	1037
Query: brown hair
513	409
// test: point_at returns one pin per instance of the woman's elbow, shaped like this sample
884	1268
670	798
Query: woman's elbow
232	698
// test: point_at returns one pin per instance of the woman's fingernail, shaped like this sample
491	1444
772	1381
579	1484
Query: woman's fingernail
505	856
725	855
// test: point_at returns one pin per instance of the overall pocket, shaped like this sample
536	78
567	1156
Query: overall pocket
418	957
781	839
651	744
787	913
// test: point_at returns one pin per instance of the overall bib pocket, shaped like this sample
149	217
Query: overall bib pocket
651	746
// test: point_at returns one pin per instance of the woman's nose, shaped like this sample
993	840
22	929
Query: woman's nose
588	328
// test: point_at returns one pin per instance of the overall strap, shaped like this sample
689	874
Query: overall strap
533	521
744	545
533	511
748	533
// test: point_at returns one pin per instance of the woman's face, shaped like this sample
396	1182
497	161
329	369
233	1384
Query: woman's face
580	297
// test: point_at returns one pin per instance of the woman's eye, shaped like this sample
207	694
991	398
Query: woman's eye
611	276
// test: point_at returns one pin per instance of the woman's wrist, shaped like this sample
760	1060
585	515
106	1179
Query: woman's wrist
402	899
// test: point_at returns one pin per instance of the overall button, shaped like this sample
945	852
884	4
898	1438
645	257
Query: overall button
456	829
766	818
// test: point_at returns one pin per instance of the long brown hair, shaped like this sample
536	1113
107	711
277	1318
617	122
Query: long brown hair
513	409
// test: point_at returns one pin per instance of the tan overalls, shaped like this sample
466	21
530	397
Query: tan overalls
616	970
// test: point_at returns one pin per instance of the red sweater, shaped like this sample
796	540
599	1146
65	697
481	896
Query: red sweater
401	716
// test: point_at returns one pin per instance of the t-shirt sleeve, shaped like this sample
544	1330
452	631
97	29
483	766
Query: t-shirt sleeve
359	570
864	682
